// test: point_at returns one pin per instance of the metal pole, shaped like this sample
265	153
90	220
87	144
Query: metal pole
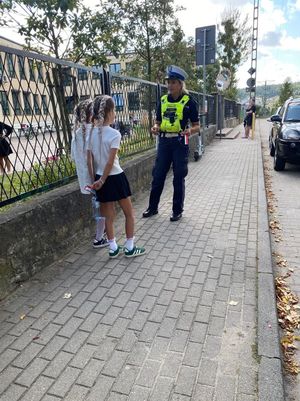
220	111
204	83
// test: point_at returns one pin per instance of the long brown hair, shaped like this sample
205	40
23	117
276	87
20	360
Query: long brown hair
82	116
102	106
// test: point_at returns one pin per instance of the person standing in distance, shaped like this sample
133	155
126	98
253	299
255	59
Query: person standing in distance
248	121
175	112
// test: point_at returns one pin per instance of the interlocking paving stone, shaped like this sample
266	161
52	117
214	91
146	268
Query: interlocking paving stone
155	328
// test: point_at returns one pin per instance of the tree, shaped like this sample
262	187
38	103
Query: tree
234	45
64	29
286	91
181	52
147	25
5	7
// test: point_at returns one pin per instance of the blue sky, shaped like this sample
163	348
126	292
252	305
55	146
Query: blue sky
279	34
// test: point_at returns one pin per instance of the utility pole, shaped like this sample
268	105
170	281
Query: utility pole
251	82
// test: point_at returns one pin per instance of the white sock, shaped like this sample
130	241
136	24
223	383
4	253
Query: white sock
100	227
112	244
129	243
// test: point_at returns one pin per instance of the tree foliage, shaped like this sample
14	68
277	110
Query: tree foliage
181	52
234	45
147	26
65	29
286	91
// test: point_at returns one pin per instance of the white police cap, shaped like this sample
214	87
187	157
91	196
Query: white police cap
174	72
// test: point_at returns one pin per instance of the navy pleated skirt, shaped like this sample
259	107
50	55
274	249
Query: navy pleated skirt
115	188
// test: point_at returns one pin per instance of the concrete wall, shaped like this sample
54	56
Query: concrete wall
41	230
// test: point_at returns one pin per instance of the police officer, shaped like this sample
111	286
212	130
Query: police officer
174	113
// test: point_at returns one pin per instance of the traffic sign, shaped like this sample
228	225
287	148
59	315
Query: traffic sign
251	82
206	45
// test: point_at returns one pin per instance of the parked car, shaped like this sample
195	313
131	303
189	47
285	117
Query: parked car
284	139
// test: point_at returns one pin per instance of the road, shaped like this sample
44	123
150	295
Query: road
26	152
286	188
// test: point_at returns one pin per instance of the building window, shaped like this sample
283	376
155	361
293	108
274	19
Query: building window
27	105
67	76
116	67
4	103
96	75
82	74
119	101
40	72
16	102
36	104
128	67
133	101
1	67
31	70
84	97
3	77
70	104
44	104
11	67
21	63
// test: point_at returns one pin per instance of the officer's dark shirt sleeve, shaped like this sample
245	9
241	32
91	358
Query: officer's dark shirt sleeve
158	112
193	111
5	129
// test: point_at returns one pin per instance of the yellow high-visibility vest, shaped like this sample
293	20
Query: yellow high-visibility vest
172	114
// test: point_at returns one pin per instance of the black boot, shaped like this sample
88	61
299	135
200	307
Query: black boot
175	217
149	212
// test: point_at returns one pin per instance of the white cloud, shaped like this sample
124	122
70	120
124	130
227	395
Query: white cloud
293	6
273	36
271	39
290	43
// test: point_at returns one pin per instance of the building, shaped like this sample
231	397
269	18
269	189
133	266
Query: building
28	87
31	96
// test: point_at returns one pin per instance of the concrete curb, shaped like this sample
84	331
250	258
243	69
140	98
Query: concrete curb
270	377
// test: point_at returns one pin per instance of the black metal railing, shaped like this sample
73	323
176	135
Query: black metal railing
37	98
38	95
231	109
206	107
135	101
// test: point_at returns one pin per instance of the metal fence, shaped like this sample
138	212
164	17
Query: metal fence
38	95
231	109
135	101
207	107
37	98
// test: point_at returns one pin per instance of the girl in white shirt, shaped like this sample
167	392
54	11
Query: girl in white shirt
82	127
111	182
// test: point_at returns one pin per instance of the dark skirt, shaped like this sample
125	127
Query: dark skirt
5	148
115	188
248	120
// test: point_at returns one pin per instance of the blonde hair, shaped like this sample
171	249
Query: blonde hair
82	115
184	90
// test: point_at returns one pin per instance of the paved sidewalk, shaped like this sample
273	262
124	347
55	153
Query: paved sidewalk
177	324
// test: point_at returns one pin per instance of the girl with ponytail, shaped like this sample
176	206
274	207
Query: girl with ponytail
111	183
82	126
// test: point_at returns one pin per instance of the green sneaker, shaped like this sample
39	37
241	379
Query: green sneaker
134	252
114	254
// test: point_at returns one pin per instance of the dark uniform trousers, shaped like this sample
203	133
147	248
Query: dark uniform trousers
170	151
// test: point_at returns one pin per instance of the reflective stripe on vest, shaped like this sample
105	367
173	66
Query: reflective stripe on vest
172	114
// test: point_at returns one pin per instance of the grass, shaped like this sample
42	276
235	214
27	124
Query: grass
38	176
41	175
138	142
